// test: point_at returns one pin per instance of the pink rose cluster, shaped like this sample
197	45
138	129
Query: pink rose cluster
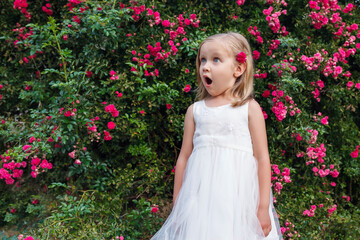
22	5
293	106
72	4
332	209
92	130
277	177
313	63
284	66
316	153
260	75
253	31
107	136
47	9
274	45
274	22
113	75
279	108
145	60
11	170
68	113
38	165
347	198
314	134
323	171
23	35
175	30
321	10
311	211
349	8
137	10
350	84
289	230
340	56
316	93
111	109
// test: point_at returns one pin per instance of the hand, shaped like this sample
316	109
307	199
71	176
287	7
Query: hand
264	219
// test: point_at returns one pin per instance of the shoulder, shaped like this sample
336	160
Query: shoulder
190	111
254	109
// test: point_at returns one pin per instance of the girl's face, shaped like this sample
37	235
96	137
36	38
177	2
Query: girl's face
218	68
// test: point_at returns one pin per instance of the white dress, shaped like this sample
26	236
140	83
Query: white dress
219	195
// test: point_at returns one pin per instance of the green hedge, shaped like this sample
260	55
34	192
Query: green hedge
63	81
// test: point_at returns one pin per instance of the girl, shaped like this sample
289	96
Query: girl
222	180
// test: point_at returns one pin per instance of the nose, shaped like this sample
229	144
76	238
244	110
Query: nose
206	67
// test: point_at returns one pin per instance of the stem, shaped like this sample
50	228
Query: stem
53	28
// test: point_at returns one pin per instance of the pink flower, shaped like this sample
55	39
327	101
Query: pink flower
324	121
154	209
65	37
166	23
44	164
349	84
72	154
77	161
241	57
240	2
107	136
168	106
312	4
88	74
32	139
187	88
111	108
111	125
266	93
355	153
29	238
256	54
67	113
26	147
357	85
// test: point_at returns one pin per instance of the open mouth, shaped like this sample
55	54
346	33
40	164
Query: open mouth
208	81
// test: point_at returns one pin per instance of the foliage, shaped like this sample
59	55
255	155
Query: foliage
92	105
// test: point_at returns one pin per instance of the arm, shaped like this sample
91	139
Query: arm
260	148
186	149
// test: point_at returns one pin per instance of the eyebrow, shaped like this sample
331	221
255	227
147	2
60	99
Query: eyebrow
212	54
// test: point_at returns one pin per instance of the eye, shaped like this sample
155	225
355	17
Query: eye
203	60
216	59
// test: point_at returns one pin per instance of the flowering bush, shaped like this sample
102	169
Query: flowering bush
93	96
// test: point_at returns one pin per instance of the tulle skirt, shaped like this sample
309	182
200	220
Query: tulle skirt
218	199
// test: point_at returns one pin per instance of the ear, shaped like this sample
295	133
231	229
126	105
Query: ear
239	69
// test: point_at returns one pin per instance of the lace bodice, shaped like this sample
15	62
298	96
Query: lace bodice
222	126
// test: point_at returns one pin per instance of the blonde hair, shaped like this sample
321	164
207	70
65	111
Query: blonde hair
243	89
